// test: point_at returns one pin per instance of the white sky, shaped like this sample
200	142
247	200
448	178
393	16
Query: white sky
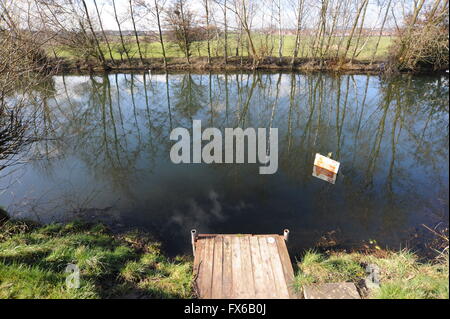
288	14
266	13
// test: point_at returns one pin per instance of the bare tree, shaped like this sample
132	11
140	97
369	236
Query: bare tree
69	25
381	31
154	8
208	45
280	34
334	24
100	52
23	67
323	29
135	31
300	12
124	48
358	38
244	14
355	24
182	20
225	32
423	42
103	31
161	39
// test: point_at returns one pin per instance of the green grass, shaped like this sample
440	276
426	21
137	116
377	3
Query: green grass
33	261
402	275
316	268
267	46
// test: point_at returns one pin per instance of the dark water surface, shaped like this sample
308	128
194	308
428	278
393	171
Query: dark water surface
106	150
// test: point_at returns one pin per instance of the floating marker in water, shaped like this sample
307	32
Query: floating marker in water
325	168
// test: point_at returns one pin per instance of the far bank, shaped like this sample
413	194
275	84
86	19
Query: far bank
63	65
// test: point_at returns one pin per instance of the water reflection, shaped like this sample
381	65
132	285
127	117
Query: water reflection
105	154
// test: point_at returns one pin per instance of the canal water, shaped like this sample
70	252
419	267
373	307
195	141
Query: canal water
103	154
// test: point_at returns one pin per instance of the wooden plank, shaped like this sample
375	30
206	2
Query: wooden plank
204	280
247	268
268	258
277	268
227	273
197	264
238	290
286	264
242	266
260	271
217	268
271	289
198	255
201	266
232	235
208	269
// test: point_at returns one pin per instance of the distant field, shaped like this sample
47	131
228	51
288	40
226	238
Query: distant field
266	45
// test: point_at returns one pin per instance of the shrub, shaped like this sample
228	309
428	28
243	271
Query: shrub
423	42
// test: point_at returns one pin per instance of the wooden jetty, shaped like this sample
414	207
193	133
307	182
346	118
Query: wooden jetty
229	266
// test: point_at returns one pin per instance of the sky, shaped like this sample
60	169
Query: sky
266	13
288	14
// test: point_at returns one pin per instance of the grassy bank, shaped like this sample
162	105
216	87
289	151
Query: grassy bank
33	260
74	60
401	274
265	45
368	58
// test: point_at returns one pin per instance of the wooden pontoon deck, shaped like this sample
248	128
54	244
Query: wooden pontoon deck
242	266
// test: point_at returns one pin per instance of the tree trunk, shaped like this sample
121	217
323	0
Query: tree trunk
161	40
317	39
135	32
225	44
103	31
208	45
186	49
360	31
324	29
297	34
99	49
333	27
238	42
358	14
248	32
280	36
120	33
